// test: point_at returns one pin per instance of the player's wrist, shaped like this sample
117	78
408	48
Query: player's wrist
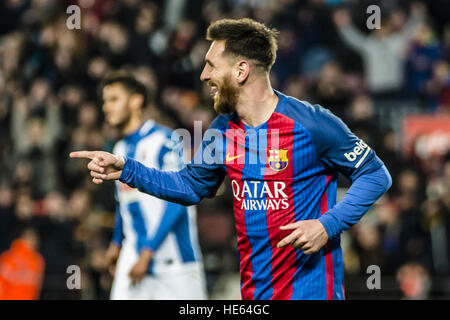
325	226
120	162
114	245
146	254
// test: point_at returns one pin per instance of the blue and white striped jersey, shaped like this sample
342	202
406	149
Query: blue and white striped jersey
142	220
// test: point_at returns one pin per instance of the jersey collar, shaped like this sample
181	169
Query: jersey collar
140	132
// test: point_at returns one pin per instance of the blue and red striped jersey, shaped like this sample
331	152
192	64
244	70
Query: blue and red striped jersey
283	171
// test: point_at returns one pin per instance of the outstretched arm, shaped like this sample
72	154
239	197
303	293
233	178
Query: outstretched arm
349	33
188	186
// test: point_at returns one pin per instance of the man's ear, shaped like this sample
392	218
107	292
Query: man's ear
241	71
136	101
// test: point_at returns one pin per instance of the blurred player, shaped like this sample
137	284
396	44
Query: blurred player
157	240
282	157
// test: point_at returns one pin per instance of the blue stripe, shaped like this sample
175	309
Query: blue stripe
338	261
338	267
138	224
164	150
256	220
118	227
309	281
140	227
182	235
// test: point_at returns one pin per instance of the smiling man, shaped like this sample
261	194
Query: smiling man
287	221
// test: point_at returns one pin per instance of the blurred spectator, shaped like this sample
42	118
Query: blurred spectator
368	246
59	247
330	89
382	51
287	63
35	129
360	118
423	53
389	150
413	236
414	281
8	220
22	268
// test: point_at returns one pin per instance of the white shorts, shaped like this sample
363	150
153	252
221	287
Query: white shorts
187	283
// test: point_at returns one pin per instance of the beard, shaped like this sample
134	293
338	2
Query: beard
226	99
123	122
119	121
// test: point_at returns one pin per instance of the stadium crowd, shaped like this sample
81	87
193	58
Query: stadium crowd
372	79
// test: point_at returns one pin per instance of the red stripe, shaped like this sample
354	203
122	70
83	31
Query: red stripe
283	259
343	288
235	146
327	249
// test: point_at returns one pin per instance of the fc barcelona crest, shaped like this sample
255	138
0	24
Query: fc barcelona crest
278	159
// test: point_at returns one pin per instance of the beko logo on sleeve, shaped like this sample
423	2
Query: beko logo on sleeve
359	149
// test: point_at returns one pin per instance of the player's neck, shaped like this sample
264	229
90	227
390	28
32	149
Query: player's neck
256	102
132	125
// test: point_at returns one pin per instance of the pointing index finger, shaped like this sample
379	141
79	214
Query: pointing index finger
290	226
82	154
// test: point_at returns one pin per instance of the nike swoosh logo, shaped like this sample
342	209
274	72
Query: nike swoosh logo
228	158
